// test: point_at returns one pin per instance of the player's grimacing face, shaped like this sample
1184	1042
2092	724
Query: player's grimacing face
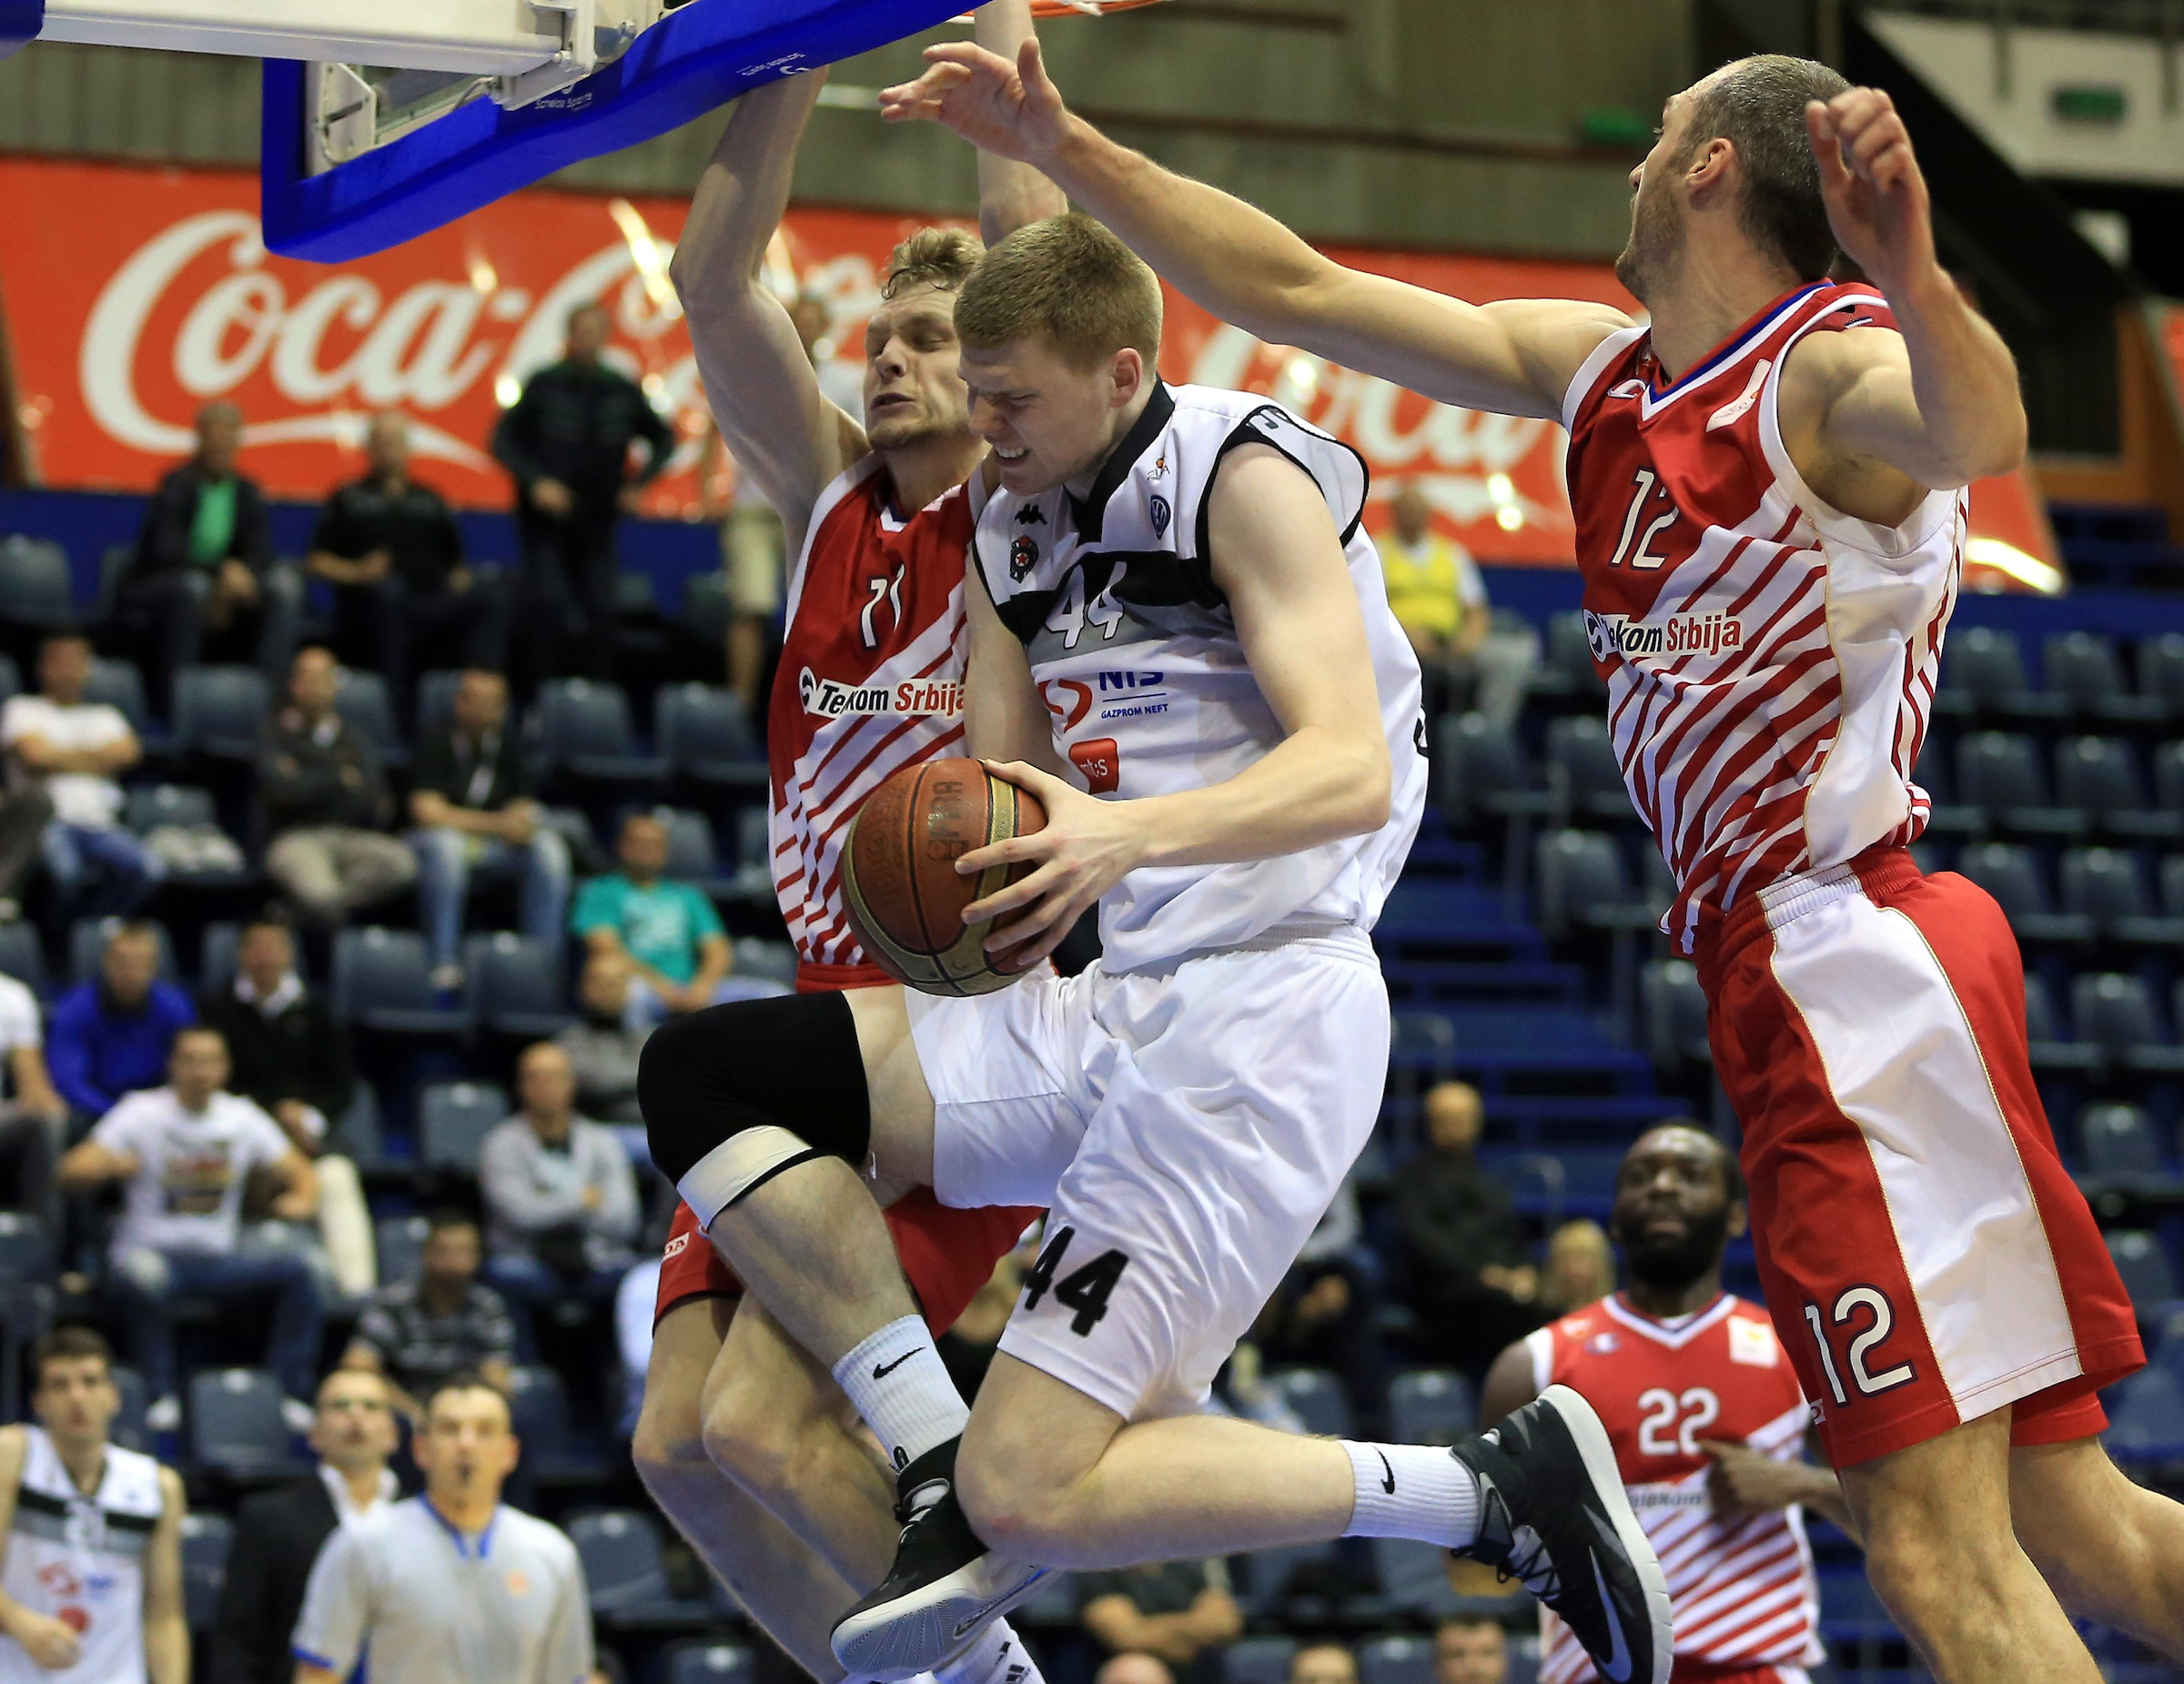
1656	214
913	388
1049	422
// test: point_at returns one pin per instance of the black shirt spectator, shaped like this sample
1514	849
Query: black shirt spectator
287	1052
1470	1282
390	549
1179	1611
203	583
567	441
482	772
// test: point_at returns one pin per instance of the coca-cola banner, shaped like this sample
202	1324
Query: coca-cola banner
134	296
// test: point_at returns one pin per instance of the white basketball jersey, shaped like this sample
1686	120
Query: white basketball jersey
1132	646
80	1560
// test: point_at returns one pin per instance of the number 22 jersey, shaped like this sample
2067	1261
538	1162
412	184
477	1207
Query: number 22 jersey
1742	1592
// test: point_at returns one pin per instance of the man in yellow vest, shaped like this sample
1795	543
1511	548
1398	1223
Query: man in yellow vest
1439	598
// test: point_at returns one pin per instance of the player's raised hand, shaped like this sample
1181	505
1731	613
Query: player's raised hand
1877	197
1012	111
1083	849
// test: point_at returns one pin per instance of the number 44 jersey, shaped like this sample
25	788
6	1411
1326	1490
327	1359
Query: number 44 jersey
1742	1592
1134	649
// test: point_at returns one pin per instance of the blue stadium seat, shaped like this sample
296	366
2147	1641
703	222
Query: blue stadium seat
383	980
129	1429
436	699
401	1244
1673	1012
11	678
453	1119
21	956
27	1249
1396	1660
706	612
1850	1610
152	804
120	684
753	878
620	1549
514	985
585	734
758	959
693	856
1566	665
2051	1053
35	589
705	737
1999	771
1430	1406
1584	884
88	939
1258	1660
1276	1580
2099	775
1317	1396
2115	1014
1983	676
363	702
1053	1603
539	1406
216	949
2162	670
2146	1420
235	1424
2104	884
220	711
2144	1265
1582	767
1414	1576
703	1661
2008	873
206	1540
1484	773
2119	1143
2168	776
2082	667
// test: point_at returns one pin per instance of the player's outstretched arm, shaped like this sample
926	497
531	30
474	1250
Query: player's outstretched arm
1011	193
1517	357
1938	401
1278	557
761	386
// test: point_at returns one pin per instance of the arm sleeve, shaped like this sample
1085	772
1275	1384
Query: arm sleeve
1471	584
659	440
238	1640
336	1607
268	1141
165	544
591	910
569	1657
68	1060
704	919
512	438
511	1195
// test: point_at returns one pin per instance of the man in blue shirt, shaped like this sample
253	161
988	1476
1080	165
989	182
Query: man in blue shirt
110	1036
669	930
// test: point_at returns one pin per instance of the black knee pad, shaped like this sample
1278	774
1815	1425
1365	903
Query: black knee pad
790	1062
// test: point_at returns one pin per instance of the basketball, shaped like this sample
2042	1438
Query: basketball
899	882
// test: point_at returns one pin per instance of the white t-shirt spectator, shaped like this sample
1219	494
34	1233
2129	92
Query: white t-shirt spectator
189	1194
19	1025
78	797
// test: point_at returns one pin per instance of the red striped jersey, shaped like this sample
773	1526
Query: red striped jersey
1740	1593
870	682
1770	660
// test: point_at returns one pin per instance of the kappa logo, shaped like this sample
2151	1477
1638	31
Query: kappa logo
675	1249
1031	514
1159	468
1161	514
1023	556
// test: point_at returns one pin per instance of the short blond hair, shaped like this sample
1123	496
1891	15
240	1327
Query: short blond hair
1069	281
942	257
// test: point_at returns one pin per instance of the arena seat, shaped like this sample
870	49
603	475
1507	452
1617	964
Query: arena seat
1397	1659
1318	1397
2115	1014
2161	670
705	738
11	678
34	590
21	955
703	1661
706	612
2145	1267
2008	873
513	984
1430	1406
1414	1576
761	960
1983	677
2119	1141
1566	672
1584	884
207	1538
130	1431
27	1295
216	946
586	738
1291	1583
2104	884
383	980
2050	1052
1258	1660
27	1249
120	684
220	711
1583	770
363	702
436	699
235	1424
147	807
2084	669
2146	1417
1484	773
453	1119
693	855
88	939
620	1549
401	1244
1999	771
2099	776
1672	1012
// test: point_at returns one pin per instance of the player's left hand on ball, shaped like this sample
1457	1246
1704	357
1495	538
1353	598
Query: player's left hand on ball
1875	195
1084	850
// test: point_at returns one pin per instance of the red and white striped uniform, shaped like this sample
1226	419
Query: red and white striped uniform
1742	1594
870	682
1770	660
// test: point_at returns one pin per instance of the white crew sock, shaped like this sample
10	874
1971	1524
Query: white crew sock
898	1383
997	1656
1410	1490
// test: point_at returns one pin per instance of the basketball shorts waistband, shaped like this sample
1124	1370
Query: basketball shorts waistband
1880	868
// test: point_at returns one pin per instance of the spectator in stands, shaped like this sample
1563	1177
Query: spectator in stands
1133	1669
1580	1269
279	1533
566	440
603	1048
403	600
92	1533
204	580
33	1117
185	1154
1470	1651
669	930
470	800
111	1034
418	1333
1470	1282
560	1199
326	801
1323	1661
76	750
291	1058
1437	595
402	1582
1180	1612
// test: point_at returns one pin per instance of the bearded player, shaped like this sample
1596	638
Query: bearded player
879	521
1708	1422
1784	460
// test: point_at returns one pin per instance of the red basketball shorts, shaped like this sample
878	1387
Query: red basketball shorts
1925	1255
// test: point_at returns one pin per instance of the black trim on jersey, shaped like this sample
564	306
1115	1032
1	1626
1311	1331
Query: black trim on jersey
1244	433
46	1503
1152	579
1091	512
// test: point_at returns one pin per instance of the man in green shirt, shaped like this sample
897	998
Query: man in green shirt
668	930
204	583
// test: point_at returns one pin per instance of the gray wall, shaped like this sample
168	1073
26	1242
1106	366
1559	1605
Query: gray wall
1458	80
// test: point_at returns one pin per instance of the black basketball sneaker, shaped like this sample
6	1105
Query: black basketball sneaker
945	1585
1555	1516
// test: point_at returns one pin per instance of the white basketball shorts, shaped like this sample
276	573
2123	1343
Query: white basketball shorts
1186	1129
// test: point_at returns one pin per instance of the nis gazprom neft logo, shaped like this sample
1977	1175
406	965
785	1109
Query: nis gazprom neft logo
1671	638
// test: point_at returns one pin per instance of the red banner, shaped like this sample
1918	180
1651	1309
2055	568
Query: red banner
137	295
